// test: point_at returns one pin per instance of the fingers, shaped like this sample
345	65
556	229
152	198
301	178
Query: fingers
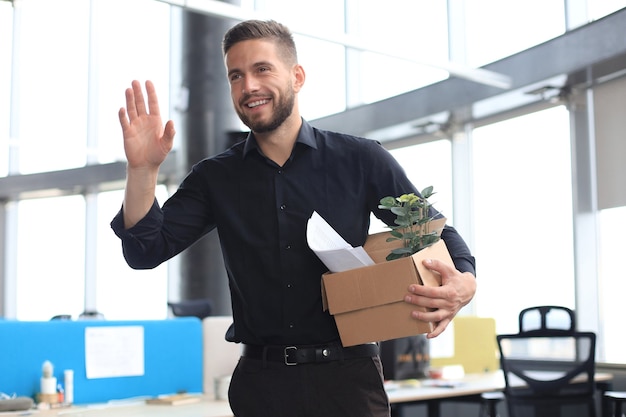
135	102
439	328
168	135
130	104
139	102
123	118
153	102
442	268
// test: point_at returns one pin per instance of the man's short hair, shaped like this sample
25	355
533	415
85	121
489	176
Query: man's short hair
260	29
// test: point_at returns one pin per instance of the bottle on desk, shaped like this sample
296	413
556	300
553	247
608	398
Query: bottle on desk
68	379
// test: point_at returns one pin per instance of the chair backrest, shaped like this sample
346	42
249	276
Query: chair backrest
553	364
548	363
199	308
541	318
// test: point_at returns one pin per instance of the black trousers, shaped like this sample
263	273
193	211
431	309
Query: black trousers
342	388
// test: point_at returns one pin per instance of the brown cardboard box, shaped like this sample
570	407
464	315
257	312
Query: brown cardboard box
368	303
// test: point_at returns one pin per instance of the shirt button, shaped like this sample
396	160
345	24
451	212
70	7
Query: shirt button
291	325
287	247
280	171
288	285
282	206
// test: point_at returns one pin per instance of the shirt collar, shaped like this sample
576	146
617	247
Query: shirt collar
306	136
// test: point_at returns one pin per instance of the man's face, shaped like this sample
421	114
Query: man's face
261	84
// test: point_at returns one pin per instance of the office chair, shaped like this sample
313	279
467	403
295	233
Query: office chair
199	308
548	369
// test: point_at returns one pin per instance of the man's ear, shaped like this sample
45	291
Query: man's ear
298	77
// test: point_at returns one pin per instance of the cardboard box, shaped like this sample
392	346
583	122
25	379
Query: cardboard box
368	303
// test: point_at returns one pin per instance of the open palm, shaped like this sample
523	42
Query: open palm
146	141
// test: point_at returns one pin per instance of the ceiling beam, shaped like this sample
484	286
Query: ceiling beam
598	48
221	9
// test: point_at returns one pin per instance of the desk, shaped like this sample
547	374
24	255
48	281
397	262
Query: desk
469	387
203	408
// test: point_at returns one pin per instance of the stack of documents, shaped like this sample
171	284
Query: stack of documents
337	254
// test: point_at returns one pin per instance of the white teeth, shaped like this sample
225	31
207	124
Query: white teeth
257	103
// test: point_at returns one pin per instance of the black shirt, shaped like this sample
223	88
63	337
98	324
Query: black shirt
261	210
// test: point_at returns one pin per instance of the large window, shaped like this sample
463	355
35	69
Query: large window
124	293
50	257
523	215
612	283
496	29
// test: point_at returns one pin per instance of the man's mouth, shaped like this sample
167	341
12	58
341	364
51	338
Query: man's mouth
257	103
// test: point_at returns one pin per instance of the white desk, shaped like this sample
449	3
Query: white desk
203	408
399	395
472	385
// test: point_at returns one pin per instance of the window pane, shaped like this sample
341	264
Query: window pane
306	16
523	206
418	31
612	283
426	164
124	293
600	8
133	45
497	29
324	90
6	28
53	84
50	257
430	164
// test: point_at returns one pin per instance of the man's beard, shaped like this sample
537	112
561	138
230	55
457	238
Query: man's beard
282	111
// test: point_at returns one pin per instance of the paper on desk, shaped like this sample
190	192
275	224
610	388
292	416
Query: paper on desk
114	351
337	254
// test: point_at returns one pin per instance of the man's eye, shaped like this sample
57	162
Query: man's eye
235	77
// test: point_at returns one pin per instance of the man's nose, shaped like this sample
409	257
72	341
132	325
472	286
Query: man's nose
250	85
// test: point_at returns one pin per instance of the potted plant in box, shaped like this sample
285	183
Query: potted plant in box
412	222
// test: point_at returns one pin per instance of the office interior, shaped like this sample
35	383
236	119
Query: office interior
514	113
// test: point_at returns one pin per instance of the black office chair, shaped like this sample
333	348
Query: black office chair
199	308
548	370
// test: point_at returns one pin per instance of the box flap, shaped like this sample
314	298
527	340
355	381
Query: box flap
369	286
437	251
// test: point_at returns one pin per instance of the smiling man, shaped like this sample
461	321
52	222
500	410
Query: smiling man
259	195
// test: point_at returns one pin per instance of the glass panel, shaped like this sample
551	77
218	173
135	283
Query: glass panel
6	37
600	8
523	205
496	29
324	90
426	164
140	51
612	286
50	257
53	84
124	293
417	30
319	16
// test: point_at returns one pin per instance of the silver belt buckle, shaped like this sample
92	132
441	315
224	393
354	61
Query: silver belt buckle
287	350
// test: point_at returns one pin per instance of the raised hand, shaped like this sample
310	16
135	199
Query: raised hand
146	141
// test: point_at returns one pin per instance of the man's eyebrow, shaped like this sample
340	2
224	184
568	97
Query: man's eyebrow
255	65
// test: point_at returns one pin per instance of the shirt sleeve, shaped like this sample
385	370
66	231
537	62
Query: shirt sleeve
459	251
137	241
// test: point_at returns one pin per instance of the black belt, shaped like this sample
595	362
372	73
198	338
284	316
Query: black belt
294	355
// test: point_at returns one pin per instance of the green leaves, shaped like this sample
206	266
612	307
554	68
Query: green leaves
411	223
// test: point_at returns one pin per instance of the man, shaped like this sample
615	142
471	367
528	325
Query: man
259	195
